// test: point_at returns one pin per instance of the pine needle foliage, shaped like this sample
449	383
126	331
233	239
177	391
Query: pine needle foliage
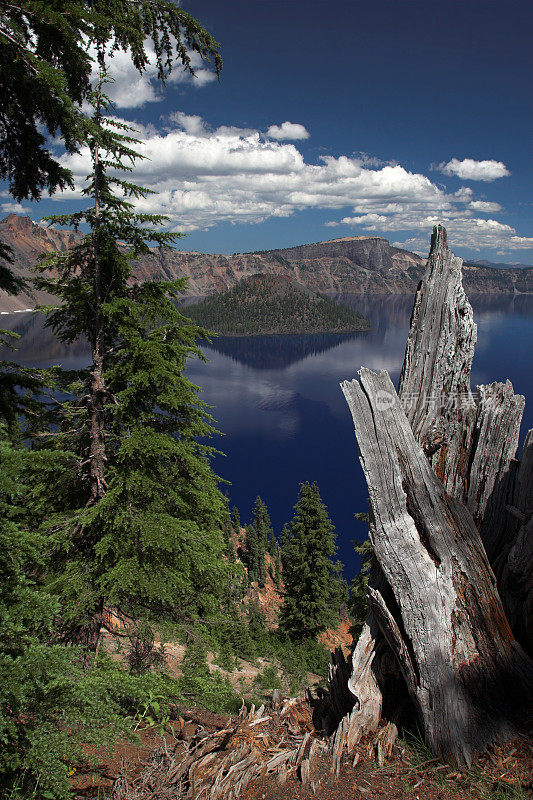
235	519
254	556
48	53
263	525
25	612
138	519
116	485
45	72
259	541
309	573
358	602
51	707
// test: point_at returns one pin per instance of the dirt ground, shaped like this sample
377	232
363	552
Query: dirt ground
505	773
402	778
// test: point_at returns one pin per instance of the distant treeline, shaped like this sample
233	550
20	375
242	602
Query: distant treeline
268	304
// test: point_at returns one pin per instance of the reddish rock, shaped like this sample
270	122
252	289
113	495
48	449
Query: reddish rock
349	265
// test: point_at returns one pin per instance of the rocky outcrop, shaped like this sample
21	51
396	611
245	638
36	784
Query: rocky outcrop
351	265
27	241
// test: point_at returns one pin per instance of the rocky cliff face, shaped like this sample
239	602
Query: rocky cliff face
351	265
28	241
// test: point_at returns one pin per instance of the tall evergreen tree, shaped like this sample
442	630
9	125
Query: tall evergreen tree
259	540
358	602
138	519
45	76
307	550
254	556
143	530
263	525
50	708
25	612
235	519
277	576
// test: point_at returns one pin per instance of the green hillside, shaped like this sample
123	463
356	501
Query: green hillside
268	304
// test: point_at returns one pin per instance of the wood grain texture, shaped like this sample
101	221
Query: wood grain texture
470	440
443	619
358	714
435	379
445	488
514	567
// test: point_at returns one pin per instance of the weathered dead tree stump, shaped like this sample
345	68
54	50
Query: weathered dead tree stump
435	379
470	440
441	470
438	611
514	563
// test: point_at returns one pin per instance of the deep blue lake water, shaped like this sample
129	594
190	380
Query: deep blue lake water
278	402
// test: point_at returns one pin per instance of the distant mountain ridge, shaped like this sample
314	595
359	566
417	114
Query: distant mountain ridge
499	264
350	265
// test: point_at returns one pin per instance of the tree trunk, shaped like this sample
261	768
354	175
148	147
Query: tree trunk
514	565
438	610
471	442
440	467
88	633
97	456
435	380
97	386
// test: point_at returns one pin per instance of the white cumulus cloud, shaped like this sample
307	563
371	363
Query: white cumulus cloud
485	206
14	208
476	234
289	131
370	221
131	89
205	176
470	170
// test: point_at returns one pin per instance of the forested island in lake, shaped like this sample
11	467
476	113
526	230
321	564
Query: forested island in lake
269	304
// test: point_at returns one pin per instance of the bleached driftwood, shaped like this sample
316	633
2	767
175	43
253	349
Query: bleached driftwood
440	613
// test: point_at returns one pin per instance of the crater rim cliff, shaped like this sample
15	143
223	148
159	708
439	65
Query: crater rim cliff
344	265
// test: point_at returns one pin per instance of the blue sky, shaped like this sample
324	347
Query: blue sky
339	119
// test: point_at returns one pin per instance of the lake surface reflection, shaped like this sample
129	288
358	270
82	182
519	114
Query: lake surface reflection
278	402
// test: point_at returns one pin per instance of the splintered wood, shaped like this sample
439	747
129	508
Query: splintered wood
442	478
470	440
438	609
279	743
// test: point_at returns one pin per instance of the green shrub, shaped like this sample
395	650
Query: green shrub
50	706
257	623
236	636
201	687
213	692
225	657
268	679
142	653
299	658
